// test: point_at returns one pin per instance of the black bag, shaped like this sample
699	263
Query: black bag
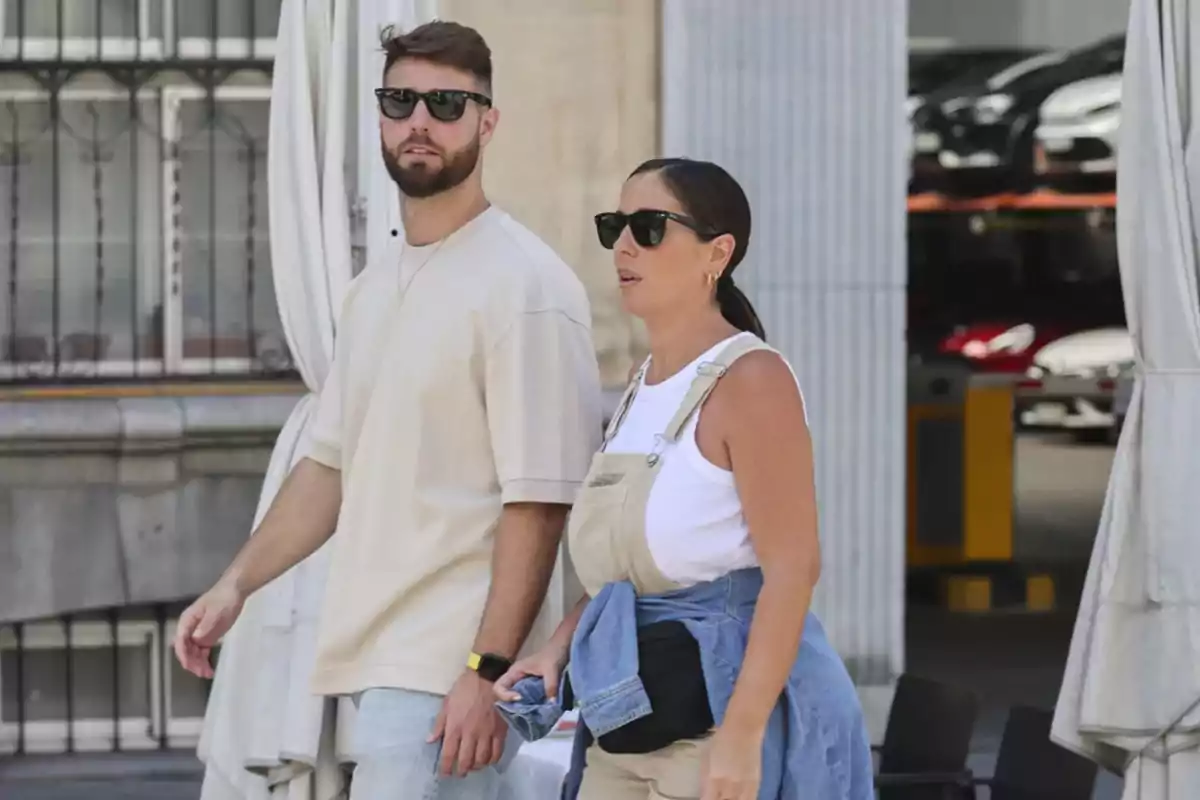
669	666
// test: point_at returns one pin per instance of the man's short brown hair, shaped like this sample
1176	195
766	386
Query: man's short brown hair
447	44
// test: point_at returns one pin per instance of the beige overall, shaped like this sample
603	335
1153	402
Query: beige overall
607	540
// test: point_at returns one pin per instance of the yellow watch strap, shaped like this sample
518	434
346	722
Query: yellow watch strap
473	661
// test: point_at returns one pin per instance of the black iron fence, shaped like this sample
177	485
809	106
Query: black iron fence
100	682
133	190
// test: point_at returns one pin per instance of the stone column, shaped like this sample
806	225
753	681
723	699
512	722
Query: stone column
577	88
802	102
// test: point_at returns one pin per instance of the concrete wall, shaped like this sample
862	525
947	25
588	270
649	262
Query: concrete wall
577	88
113	502
802	102
1008	23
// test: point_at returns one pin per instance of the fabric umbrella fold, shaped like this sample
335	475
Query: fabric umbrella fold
1130	697
265	733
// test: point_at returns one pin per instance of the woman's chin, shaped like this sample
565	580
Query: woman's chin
631	303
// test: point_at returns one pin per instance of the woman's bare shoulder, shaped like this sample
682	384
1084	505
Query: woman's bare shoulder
759	385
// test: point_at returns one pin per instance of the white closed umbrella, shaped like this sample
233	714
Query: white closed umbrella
1131	692
266	735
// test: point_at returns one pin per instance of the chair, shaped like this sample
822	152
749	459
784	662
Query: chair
1031	767
926	743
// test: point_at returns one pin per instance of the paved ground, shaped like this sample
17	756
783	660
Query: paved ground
131	789
1006	659
1010	659
154	776
1059	492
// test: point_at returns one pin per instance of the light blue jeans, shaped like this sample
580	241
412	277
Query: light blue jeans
393	760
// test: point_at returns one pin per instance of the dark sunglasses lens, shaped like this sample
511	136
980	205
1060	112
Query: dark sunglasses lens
446	106
608	229
399	105
647	229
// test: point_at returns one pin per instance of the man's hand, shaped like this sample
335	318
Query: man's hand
471	730
547	664
202	626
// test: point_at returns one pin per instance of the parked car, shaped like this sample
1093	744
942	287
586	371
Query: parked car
989	147
930	114
998	346
931	69
1072	381
930	72
1122	395
1076	142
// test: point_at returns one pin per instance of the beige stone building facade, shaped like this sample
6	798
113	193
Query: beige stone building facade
577	85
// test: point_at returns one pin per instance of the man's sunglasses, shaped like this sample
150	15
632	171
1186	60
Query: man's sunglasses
648	227
445	105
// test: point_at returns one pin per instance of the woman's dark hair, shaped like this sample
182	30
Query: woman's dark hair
714	198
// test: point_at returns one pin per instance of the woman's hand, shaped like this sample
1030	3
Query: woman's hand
546	664
732	766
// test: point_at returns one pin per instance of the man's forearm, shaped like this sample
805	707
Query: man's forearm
301	518
523	559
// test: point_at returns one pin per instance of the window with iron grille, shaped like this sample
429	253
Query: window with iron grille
103	682
133	191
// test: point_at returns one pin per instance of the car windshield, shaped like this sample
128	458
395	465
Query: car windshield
1094	60
1022	68
937	72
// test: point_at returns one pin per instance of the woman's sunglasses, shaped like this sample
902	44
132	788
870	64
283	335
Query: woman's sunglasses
445	105
648	227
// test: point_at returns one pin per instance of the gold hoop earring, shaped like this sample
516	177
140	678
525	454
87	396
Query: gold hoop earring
712	279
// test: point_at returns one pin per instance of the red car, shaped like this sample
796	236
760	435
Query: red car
1005	347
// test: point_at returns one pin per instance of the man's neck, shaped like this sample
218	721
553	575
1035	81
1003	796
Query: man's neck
431	219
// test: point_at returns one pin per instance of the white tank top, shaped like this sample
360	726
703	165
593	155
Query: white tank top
694	522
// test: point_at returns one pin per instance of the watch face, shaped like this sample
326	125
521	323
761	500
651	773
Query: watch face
492	668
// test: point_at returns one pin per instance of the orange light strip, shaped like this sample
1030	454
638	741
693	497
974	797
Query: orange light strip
1037	201
116	391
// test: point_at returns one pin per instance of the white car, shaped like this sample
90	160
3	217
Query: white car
1072	381
926	134
1077	139
1121	399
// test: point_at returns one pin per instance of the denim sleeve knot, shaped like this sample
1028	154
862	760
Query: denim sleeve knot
533	715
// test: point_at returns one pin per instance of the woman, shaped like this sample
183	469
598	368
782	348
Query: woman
697	666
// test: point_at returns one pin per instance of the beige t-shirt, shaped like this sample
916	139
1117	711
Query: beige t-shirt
464	378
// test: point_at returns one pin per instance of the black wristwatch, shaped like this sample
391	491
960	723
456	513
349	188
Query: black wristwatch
489	666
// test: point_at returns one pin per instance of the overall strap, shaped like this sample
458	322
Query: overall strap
625	402
706	379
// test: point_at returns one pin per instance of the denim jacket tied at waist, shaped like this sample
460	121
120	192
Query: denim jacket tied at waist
816	745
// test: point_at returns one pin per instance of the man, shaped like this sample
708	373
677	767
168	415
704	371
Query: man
458	419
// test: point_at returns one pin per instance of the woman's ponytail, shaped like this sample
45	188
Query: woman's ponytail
736	308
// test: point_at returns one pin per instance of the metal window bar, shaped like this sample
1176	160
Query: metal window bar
48	243
69	681
20	30
14	226
19	630
55	208
211	121
162	658
135	327
116	679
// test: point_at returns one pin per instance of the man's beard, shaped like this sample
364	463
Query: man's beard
424	180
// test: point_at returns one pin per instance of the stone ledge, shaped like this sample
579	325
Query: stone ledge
80	425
